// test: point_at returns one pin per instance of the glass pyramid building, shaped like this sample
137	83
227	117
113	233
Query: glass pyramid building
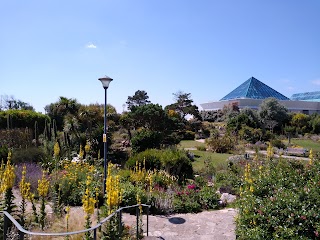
253	89
307	96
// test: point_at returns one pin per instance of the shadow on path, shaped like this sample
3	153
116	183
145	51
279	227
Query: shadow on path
177	220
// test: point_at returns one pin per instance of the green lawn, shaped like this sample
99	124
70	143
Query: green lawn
215	159
307	143
190	144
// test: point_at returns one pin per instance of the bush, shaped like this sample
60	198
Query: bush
277	143
221	145
279	200
174	162
188	135
145	140
209	198
130	192
28	155
72	182
151	158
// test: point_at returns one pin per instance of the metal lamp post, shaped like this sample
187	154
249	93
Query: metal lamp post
105	83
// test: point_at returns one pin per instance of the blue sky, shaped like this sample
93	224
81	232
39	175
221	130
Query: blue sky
52	48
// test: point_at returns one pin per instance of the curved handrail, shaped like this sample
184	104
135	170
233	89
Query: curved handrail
21	229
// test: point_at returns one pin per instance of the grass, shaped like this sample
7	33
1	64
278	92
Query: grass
307	143
214	159
190	144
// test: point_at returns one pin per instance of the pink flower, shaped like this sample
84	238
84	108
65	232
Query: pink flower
192	186
303	217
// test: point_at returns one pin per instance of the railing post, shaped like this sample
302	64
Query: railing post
21	235
147	221
5	226
95	234
137	214
120	222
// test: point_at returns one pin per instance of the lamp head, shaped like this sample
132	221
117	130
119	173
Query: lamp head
105	81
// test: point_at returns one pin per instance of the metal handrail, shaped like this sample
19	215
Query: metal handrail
23	231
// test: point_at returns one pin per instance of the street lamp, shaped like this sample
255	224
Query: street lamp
105	83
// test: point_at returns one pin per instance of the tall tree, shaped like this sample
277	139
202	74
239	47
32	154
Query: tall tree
61	108
271	111
184	105
139	98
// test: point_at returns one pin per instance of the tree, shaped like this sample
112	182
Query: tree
139	98
300	121
271	112
61	108
150	116
184	105
153	124
8	103
247	117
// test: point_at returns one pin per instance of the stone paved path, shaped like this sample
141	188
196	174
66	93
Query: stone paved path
208	225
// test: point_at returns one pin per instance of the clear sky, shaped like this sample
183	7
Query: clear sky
52	48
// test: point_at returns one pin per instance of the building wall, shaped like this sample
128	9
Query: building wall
293	106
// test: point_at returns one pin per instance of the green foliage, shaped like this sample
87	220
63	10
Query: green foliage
28	155
208	198
188	135
175	162
280	200
278	143
139	98
22	119
184	105
247	117
72	181
221	145
16	138
271	110
301	122
249	134
145	139
130	192
315	123
194	199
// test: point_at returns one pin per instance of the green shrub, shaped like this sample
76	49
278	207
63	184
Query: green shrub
221	145
187	202
28	155
277	143
188	135
150	157
280	200
130	192
174	162
145	139
208	198
72	181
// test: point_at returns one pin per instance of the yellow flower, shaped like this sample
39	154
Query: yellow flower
87	147
311	157
81	152
7	175
67	212
24	185
43	186
56	150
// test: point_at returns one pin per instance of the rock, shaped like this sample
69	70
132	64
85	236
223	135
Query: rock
227	198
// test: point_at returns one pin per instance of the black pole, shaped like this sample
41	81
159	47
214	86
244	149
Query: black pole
105	143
